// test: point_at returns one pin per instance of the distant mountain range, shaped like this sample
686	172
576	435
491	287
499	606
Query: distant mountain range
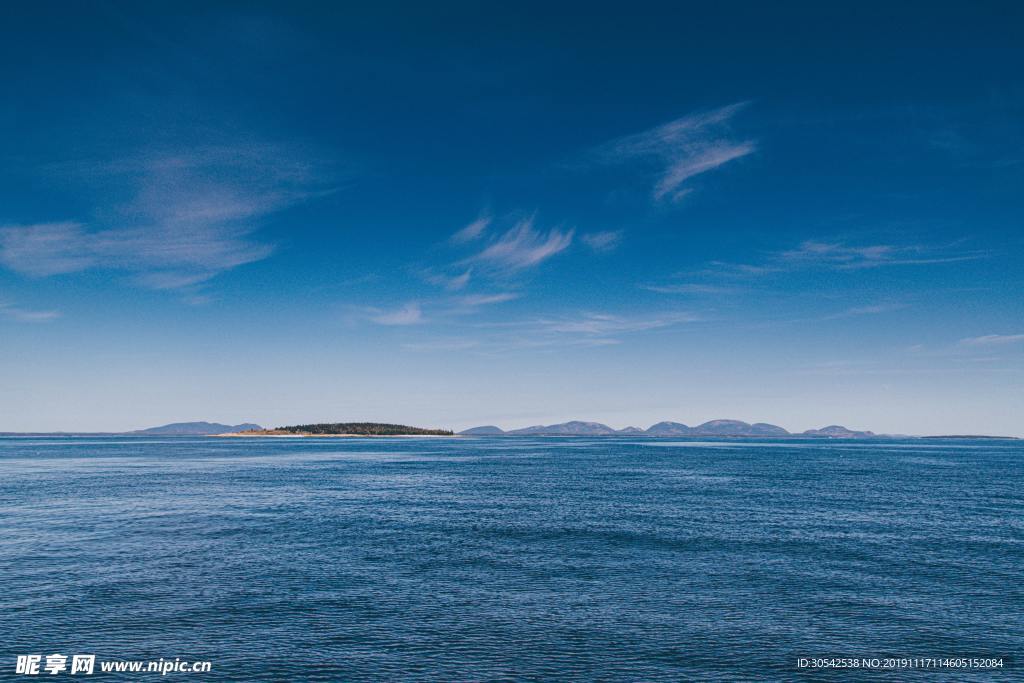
712	428
195	429
724	428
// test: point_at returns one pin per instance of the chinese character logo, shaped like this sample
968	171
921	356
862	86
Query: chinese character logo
83	664
28	664
56	663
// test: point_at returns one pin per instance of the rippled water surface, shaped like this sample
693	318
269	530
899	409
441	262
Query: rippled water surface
512	559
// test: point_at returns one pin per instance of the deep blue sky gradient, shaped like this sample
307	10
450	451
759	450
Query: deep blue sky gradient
245	211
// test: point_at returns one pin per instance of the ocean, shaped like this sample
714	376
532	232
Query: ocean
515	559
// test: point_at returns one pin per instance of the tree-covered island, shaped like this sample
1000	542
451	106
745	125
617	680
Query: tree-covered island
345	429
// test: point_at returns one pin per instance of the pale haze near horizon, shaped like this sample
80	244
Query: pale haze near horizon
509	399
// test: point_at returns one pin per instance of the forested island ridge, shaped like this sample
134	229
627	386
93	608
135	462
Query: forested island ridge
343	429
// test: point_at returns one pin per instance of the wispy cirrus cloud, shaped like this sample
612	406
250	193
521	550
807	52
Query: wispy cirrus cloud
446	344
843	255
453	283
44	249
437	310
725	268
25	315
680	149
871	309
501	256
691	288
179	220
605	324
161	258
408	314
993	340
472	231
602	241
701	162
478	300
584	329
521	247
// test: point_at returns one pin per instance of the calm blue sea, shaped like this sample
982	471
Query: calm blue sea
507	559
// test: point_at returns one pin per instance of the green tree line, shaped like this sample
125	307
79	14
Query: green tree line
364	428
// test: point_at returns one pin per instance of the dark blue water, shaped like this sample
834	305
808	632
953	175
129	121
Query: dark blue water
512	559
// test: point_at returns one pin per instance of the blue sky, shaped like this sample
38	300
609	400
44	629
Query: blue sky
457	214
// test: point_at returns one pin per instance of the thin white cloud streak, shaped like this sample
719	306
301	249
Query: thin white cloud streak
472	231
603	241
682	149
603	324
522	247
459	281
699	162
842	256
409	314
478	300
167	257
442	345
189	217
45	249
993	340
453	283
586	329
677	133
439	310
736	269
27	316
504	255
691	288
874	309
550	334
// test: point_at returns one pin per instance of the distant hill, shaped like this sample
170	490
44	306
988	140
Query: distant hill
737	428
668	429
574	428
486	430
195	429
838	432
630	430
765	429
